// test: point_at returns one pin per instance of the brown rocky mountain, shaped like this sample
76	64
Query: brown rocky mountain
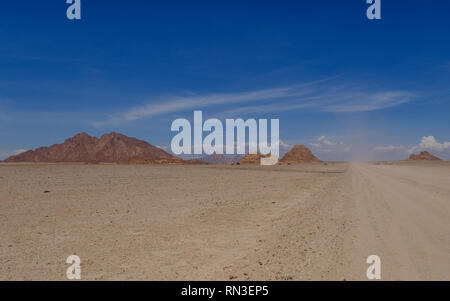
251	158
110	148
423	156
299	154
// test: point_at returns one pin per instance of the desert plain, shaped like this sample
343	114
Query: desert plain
312	221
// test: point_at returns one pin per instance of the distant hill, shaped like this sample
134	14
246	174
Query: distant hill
110	148
299	154
423	156
218	159
195	161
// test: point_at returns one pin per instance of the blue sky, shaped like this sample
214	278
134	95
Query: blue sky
347	87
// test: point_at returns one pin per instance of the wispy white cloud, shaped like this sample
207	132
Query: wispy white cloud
163	147
319	95
323	141
178	103
428	143
6	154
326	149
343	101
369	101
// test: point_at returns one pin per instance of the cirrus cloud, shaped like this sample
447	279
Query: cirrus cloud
320	95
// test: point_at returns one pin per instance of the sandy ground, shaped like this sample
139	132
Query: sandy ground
297	222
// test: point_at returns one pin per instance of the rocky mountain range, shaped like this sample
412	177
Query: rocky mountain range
118	148
110	148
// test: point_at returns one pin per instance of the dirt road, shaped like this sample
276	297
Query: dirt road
402	215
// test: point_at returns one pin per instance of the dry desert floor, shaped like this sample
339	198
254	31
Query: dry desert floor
213	222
